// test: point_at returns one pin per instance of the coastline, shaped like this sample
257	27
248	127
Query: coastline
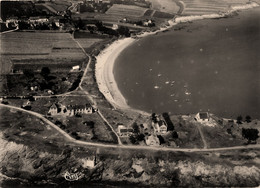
105	61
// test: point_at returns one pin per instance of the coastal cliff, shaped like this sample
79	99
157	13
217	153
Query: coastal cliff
21	164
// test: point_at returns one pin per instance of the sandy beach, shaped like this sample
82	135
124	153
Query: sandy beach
104	72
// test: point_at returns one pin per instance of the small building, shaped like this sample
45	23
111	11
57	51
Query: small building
115	27
123	131
76	68
202	116
152	140
91	162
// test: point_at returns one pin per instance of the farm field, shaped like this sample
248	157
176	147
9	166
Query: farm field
126	11
24	47
168	6
200	7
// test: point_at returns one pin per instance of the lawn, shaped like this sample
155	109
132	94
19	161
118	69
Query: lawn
188	134
23	128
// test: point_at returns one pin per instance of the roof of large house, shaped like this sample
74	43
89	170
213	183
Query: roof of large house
204	115
161	123
70	107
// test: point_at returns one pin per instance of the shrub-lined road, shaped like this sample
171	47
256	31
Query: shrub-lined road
84	143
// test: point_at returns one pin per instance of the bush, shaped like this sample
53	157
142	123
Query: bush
250	134
239	119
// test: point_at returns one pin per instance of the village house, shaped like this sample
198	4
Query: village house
70	110
123	131
38	19
202	116
75	68
12	21
152	140
160	127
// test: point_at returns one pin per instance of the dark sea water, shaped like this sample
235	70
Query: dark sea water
211	65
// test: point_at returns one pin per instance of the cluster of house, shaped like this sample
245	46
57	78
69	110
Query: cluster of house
35	20
70	110
146	23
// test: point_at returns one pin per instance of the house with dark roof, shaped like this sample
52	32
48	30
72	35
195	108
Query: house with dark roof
202	116
124	131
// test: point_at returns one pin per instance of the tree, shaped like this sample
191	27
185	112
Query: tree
136	128
239	119
168	121
122	30
161	139
175	135
250	134
132	139
248	119
45	72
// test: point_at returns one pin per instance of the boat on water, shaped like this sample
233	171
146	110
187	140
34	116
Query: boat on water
167	82
172	95
159	75
187	93
156	87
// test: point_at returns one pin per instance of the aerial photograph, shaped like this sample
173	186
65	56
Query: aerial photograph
129	93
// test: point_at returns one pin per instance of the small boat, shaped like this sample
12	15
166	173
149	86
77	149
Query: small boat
167	82
172	95
156	87
176	100
187	93
159	75
150	69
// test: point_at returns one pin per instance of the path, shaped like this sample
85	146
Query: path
90	98
85	143
17	27
205	145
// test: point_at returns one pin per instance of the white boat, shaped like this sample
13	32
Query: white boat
187	93
172	95
159	75
156	87
167	82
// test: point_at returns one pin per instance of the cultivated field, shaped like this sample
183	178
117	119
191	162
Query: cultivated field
126	11
200	7
168	6
36	47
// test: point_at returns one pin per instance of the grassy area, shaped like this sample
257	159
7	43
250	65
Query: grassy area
24	128
188	134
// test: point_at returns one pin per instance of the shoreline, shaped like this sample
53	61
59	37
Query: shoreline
105	61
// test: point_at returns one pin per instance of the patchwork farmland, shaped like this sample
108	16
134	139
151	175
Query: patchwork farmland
126	11
201	7
35	48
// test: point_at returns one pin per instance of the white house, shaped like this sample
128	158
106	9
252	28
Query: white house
160	127
202	116
152	140
115	27
76	68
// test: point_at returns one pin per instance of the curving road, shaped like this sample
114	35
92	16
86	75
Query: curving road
85	143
